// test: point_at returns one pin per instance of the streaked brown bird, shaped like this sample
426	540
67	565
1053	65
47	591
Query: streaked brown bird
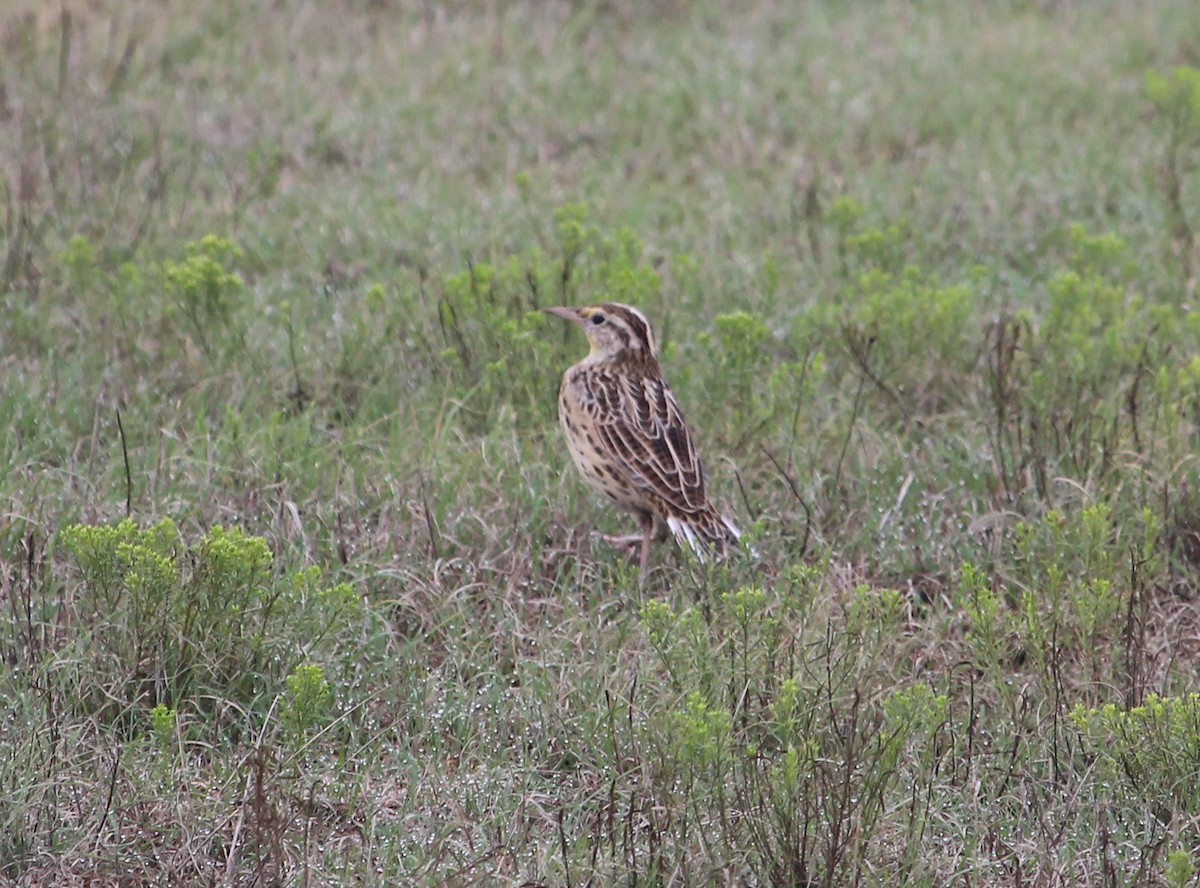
629	438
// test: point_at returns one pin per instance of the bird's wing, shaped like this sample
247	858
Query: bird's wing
639	422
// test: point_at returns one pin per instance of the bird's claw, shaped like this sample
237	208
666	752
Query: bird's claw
628	541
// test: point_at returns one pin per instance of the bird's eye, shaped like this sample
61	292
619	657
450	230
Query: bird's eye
597	319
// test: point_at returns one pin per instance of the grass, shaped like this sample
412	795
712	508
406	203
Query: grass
297	585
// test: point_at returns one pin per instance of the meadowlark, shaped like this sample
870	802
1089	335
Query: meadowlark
629	439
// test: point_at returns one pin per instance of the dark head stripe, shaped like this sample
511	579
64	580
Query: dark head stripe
633	321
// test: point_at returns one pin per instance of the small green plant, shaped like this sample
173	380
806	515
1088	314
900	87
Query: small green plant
307	702
702	736
873	612
844	214
1176	96
879	248
79	257
206	289
679	641
1181	868
162	725
976	600
903	309
164	736
746	374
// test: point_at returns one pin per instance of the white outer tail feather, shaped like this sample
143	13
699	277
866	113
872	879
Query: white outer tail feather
685	533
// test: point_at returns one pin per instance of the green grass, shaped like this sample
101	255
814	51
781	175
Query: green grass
925	277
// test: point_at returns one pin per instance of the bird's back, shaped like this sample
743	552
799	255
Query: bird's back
630	441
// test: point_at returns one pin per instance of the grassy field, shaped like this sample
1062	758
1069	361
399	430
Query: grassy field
297	586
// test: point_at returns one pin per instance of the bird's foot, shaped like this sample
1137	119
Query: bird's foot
628	541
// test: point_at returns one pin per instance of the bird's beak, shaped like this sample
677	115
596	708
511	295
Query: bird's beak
567	314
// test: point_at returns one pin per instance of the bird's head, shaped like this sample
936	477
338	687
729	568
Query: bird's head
614	331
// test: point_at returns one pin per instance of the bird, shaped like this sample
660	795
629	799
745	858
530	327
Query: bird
628	437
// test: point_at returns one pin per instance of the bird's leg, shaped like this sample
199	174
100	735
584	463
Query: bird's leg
631	542
625	541
647	538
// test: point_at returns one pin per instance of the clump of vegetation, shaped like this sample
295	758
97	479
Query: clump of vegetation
160	624
1147	749
206	291
777	756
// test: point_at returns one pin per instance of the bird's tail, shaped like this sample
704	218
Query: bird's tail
706	533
